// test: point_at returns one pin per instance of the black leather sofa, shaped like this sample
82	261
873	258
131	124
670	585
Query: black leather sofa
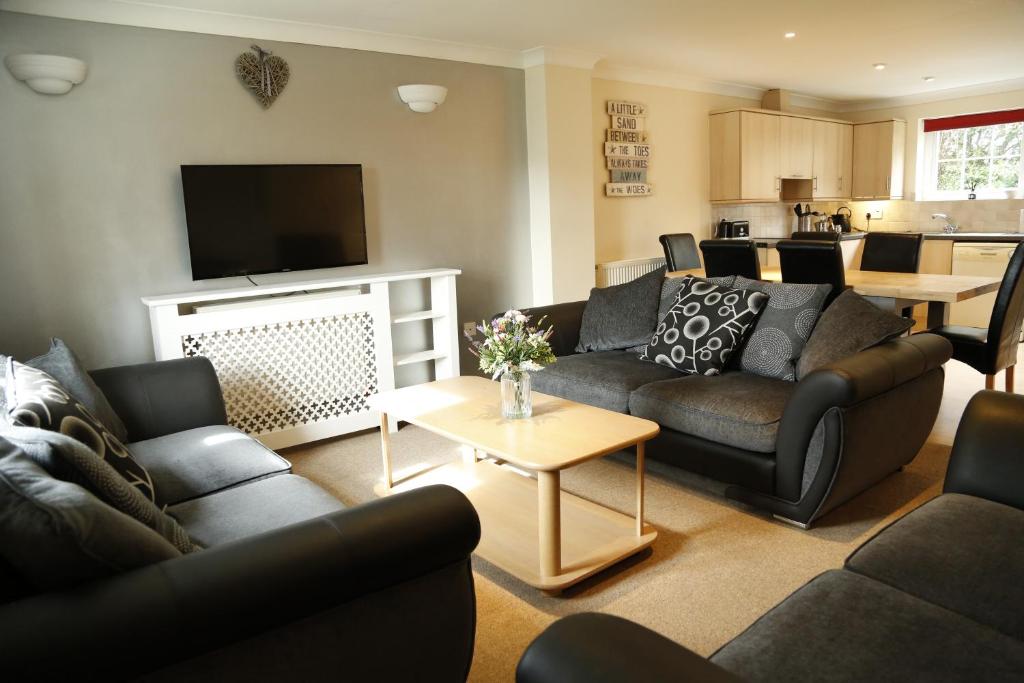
936	596
290	584
795	449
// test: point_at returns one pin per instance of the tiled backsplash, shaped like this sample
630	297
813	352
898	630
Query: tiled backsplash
981	215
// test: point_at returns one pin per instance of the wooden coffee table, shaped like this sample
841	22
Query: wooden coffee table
510	470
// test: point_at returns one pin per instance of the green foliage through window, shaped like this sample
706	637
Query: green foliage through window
982	158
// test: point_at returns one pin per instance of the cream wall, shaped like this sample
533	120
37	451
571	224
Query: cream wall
626	228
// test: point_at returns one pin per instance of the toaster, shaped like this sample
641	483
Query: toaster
727	229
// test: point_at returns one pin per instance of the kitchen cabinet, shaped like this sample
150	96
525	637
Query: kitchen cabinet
796	147
878	156
832	159
744	148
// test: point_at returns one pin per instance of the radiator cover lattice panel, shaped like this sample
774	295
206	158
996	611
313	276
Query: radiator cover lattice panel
282	375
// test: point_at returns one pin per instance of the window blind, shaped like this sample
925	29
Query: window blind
990	118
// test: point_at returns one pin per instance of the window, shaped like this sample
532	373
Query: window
977	152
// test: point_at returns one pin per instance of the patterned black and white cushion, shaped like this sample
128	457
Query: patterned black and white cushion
703	327
781	332
35	399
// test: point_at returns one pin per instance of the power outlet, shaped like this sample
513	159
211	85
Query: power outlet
469	328
876	215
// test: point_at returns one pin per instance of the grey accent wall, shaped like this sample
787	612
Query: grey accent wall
91	213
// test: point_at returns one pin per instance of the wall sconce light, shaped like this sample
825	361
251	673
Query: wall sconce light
422	98
47	74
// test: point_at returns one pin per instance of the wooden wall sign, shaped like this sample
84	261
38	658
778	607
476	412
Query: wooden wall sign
627	151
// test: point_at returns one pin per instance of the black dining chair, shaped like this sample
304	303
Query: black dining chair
680	251
892	252
994	349
813	262
731	257
829	236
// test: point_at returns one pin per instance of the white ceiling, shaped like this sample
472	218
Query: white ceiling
739	42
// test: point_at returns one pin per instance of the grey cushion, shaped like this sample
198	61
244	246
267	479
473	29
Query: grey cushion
66	458
621	316
851	324
55	534
604	379
251	509
735	408
954	552
200	461
61	363
845	627
784	327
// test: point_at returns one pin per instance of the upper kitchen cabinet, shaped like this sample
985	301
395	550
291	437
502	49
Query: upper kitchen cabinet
796	147
833	160
878	149
744	148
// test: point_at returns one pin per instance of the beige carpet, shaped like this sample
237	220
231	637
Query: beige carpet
714	568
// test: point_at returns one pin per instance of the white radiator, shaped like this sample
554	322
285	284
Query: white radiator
619	272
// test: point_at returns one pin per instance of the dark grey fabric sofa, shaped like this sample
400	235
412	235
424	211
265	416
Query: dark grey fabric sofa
290	585
795	449
936	596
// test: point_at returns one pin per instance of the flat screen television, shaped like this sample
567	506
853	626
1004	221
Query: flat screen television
246	220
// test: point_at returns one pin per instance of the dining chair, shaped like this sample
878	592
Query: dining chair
731	257
680	251
892	252
813	262
829	236
994	349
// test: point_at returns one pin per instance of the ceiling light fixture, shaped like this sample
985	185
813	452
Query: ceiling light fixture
789	34
928	79
879	66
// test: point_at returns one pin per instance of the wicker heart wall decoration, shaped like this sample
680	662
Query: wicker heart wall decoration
264	74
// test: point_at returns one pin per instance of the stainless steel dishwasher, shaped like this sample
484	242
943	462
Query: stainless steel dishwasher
978	258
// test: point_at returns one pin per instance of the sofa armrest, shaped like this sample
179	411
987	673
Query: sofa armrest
164	397
175	610
988	453
601	648
567	319
843	384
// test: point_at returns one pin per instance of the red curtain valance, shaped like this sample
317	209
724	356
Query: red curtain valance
990	118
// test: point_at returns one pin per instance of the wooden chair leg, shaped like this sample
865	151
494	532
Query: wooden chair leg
990	382
1009	379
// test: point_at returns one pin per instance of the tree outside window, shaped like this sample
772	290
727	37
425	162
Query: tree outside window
982	159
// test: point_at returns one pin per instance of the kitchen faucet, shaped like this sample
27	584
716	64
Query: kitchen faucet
950	227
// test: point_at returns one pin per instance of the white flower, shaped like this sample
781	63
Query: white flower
531	366
520	318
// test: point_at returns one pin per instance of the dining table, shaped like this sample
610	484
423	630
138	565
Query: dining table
897	291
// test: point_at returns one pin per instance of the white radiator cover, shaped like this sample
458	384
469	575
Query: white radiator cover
620	272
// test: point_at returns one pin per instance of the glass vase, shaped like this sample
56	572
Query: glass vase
516	402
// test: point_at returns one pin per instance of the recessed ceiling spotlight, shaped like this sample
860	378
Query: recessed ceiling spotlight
879	66
789	34
928	79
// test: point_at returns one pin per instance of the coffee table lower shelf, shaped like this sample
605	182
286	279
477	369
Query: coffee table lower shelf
593	537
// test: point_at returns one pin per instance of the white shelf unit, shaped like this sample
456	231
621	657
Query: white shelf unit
297	361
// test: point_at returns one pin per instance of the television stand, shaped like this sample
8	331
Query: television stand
298	361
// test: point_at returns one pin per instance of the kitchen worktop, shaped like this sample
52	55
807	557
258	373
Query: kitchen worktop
976	236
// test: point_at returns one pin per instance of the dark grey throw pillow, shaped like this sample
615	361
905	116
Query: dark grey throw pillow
34	399
621	316
61	363
778	339
850	325
55	534
704	327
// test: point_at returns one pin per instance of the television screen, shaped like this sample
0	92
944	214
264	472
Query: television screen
245	220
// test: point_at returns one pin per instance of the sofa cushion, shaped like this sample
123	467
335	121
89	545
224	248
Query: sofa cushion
251	509
705	325
61	363
946	552
604	379
735	408
669	289
845	627
54	534
34	399
849	325
784	327
197	462
621	316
